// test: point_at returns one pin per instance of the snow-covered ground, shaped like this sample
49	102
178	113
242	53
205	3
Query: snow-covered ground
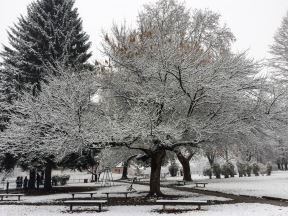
217	210
275	185
142	190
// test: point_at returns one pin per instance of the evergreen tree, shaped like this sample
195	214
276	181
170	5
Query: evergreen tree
7	94
50	34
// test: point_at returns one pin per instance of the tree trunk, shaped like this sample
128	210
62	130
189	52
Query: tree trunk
48	173
185	166
125	167
156	161
125	170
32	178
279	166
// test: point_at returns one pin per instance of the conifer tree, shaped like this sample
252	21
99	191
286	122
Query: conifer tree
50	34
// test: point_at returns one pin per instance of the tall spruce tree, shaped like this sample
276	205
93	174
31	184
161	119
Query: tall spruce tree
50	34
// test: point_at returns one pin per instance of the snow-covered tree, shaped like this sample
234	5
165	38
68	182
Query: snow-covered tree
50	34
58	122
175	75
184	155
279	50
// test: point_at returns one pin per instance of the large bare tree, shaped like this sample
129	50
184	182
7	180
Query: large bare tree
175	82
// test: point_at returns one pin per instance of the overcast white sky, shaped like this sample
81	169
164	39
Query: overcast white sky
253	22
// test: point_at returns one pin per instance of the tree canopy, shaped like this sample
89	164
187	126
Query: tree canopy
50	34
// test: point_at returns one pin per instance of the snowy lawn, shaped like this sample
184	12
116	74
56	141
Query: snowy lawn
275	185
217	210
142	190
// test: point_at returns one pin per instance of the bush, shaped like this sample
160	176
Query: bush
62	179
232	172
173	169
216	170
241	169
225	170
228	170
268	169
208	172
255	169
248	169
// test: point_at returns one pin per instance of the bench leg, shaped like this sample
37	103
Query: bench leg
91	195
71	207
100	207
164	207
18	198
107	196
2	198
199	207
126	195
73	196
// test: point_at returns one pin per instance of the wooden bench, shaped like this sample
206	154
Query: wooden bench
181	182
125	193
91	194
181	202
72	203
201	183
11	195
141	179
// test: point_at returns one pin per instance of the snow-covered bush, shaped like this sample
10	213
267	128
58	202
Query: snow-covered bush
262	169
232	172
241	169
255	169
217	170
268	168
173	169
62	179
208	172
248	169
227	170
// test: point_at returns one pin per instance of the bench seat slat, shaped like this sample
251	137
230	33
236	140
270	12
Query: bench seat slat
85	202
84	193
127	192
179	202
11	194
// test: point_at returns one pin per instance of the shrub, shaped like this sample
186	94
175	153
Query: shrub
216	170
208	172
255	169
248	169
173	169
268	169
228	169
231	167
225	170
62	179
241	169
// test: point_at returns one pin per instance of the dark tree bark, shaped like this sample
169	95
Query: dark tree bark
156	162
185	165
32	179
125	167
48	174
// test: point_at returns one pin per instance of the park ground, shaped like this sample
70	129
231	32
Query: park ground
232	196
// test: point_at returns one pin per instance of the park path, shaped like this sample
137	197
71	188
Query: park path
234	198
